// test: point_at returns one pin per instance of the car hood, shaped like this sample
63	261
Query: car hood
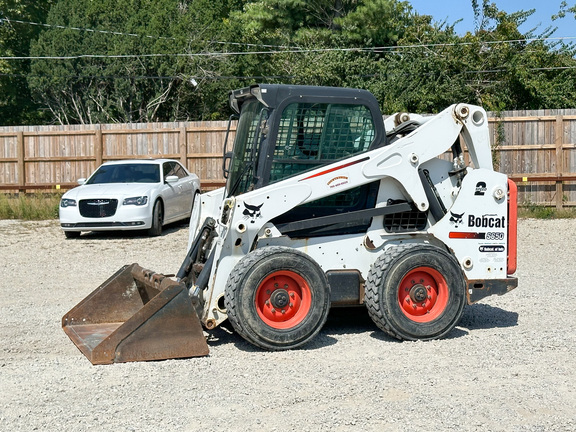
109	190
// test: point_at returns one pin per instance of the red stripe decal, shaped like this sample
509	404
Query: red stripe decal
467	235
336	169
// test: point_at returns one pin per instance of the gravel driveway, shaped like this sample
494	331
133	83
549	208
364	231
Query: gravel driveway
508	366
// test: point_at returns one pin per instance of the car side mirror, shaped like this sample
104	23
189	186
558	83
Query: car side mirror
171	179
81	181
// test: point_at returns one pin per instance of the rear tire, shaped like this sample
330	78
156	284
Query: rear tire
157	219
277	298
415	292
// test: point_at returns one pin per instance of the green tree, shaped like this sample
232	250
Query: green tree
139	65
564	10
496	66
207	47
322	42
523	71
124	84
20	22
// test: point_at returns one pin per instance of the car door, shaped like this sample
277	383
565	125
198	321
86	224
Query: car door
186	189
170	193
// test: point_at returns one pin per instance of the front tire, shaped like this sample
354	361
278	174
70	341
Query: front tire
415	292
157	220
277	298
72	234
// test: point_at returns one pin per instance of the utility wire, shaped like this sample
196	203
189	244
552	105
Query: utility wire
255	77
116	33
144	77
286	51
10	20
279	49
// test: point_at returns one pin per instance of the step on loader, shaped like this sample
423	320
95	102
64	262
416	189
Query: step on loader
326	204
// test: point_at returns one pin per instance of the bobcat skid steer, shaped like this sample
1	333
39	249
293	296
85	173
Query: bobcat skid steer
326	204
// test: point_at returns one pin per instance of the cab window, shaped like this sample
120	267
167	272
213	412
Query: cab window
314	134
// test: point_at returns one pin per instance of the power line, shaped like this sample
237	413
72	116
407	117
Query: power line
255	77
209	54
280	48
391	49
117	33
144	77
10	20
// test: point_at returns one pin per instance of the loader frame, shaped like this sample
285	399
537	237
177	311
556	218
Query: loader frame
329	204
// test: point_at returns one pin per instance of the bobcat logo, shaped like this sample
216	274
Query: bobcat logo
456	218
252	212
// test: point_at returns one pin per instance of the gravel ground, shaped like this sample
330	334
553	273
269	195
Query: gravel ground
508	366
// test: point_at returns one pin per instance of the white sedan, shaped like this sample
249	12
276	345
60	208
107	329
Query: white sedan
130	195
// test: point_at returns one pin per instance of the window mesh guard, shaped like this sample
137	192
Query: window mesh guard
311	135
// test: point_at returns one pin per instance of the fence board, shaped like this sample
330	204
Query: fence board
537	146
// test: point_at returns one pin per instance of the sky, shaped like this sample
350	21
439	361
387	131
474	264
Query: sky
452	10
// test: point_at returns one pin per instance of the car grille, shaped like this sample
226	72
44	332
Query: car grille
98	208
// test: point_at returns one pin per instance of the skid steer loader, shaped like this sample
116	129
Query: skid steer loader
326	204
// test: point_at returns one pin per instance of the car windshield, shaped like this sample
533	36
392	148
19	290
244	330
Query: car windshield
126	173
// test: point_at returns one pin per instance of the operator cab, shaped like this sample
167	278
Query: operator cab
285	130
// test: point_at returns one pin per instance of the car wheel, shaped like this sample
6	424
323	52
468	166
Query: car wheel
157	218
72	234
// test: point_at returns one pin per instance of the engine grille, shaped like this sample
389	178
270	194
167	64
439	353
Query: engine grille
406	221
98	208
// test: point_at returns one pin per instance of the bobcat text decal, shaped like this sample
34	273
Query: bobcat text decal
487	221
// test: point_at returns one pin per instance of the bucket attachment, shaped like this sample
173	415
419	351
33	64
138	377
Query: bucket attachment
136	315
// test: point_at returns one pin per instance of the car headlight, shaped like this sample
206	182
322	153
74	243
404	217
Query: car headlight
137	201
67	202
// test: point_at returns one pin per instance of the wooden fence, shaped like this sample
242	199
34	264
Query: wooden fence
54	157
537	149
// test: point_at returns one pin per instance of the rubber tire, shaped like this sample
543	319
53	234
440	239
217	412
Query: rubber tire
383	283
157	219
243	284
72	234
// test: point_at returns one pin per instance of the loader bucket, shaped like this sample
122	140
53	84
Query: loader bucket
136	315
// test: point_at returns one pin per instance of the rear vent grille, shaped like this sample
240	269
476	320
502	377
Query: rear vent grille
98	208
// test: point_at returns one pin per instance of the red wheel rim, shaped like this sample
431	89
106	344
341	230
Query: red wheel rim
283	299
423	294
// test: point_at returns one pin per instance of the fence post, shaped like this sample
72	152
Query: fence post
559	141
98	147
21	154
183	143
